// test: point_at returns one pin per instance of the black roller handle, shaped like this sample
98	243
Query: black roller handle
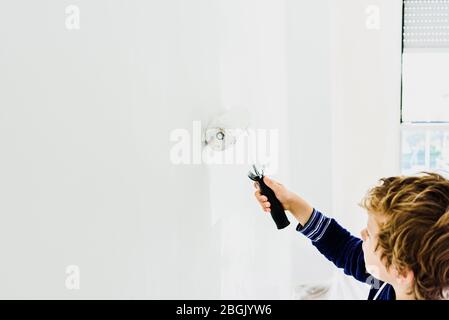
277	210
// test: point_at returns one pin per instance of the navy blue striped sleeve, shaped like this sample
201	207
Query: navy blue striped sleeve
336	244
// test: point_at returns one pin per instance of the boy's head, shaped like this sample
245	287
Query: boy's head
406	242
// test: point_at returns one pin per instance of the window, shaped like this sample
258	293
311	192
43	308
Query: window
425	87
425	147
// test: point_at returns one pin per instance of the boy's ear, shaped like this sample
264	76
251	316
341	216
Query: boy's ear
403	277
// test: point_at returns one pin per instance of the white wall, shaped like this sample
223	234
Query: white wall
85	120
309	108
366	89
255	256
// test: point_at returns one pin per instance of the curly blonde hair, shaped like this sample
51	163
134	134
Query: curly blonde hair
416	234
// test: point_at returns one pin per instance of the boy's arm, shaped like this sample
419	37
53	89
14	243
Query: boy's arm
336	244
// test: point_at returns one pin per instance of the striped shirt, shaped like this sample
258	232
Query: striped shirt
345	251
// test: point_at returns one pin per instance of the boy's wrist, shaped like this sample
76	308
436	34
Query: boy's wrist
301	210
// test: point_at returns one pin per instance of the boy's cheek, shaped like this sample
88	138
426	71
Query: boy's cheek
371	265
365	246
370	258
365	253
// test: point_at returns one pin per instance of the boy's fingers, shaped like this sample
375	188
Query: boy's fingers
265	206
269	180
271	183
263	200
260	197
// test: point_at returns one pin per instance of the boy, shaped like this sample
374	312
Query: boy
405	246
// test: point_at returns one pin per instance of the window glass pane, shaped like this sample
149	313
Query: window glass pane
425	79
425	149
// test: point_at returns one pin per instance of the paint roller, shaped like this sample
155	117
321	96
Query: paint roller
220	135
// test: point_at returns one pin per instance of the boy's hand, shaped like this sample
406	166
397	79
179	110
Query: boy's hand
300	209
285	197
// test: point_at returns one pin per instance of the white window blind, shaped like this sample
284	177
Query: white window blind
425	96
426	24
